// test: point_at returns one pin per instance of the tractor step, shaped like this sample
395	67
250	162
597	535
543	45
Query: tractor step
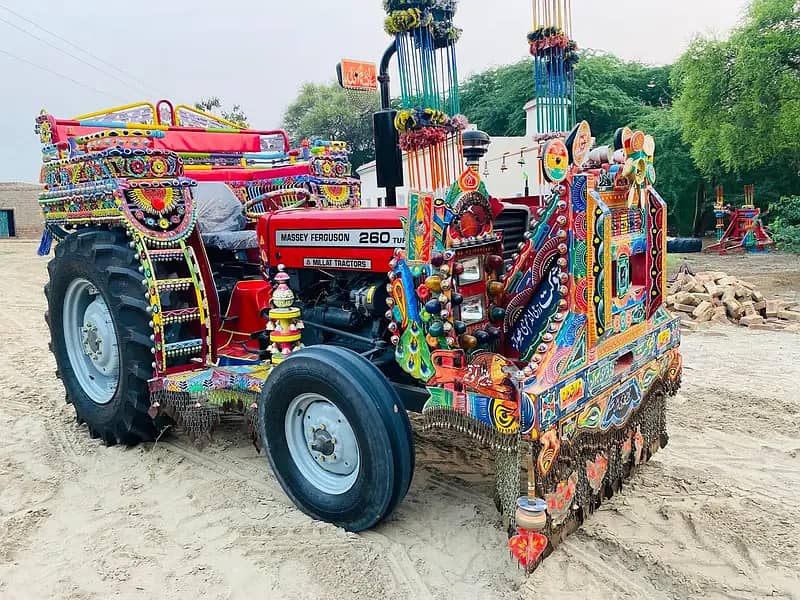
180	315
166	255
183	348
175	284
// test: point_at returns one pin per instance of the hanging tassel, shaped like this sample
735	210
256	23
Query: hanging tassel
47	242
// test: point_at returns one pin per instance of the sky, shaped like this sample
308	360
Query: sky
257	53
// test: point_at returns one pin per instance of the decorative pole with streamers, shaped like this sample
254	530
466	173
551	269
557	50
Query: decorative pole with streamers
555	55
428	123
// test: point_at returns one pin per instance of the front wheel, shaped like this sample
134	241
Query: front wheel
337	436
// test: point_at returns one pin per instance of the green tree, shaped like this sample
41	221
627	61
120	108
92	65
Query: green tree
609	92
786	223
739	99
494	98
326	111
677	178
213	105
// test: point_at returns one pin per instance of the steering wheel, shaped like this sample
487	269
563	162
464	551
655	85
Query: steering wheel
276	200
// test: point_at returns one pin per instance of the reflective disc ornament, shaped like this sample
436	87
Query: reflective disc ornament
579	142
622	138
637	142
555	161
640	171
651	173
649	147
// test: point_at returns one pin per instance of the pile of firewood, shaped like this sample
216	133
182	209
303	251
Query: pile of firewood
714	296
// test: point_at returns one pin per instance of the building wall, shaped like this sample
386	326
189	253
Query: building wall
508	182
22	198
501	183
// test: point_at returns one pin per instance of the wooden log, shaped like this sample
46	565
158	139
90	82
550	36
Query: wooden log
720	316
749	320
713	289
766	326
734	309
749	308
772	308
690	325
704	311
789	315
688	283
685	308
727	280
686	298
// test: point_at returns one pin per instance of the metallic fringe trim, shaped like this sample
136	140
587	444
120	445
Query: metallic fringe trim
199	413
447	418
507	482
649	419
252	422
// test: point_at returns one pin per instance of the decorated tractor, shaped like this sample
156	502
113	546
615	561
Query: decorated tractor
203	268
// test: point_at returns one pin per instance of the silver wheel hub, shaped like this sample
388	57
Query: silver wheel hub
91	341
98	336
322	443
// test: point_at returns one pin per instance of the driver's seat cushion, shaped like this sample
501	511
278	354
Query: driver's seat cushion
220	219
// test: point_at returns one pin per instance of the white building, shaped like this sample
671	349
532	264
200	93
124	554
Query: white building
505	168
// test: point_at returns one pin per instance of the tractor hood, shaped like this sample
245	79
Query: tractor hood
357	239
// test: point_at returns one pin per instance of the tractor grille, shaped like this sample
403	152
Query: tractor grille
513	222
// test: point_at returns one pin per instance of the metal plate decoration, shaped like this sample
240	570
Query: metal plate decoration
621	403
622	138
651	173
419	245
551	445
161	210
559	502
357	75
649	146
555	160
579	142
473	217
528	321
636	142
640	172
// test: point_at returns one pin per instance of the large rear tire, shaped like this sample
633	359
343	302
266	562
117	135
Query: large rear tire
337	436
99	328
684	245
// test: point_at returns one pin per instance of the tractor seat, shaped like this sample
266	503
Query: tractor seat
220	219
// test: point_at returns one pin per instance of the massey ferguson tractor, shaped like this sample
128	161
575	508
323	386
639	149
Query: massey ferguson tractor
537	325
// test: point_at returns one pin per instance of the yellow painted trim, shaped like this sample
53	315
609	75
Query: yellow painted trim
113	109
618	340
608	280
591	321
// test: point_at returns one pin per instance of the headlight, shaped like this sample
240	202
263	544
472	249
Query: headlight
473	270
473	309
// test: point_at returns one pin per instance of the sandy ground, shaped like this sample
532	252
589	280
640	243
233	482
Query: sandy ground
714	515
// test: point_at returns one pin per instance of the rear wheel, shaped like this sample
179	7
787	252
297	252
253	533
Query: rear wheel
684	245
99	328
337	436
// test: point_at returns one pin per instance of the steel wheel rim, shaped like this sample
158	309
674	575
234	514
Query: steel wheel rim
90	337
322	443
